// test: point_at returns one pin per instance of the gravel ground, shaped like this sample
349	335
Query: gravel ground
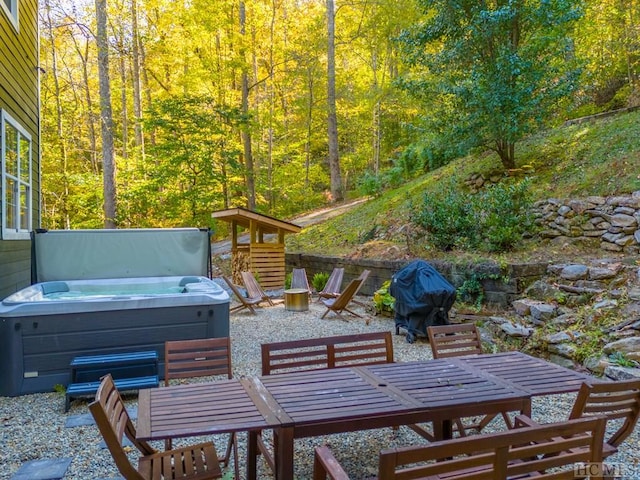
33	426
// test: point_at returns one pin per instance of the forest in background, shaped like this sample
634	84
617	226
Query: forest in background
219	103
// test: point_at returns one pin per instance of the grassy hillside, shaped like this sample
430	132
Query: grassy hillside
596	158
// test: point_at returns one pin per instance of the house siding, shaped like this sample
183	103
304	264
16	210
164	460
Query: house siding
19	96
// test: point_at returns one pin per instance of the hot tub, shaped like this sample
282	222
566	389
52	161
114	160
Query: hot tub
44	326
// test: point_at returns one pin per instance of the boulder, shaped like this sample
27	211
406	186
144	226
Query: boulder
542	312
616	372
574	272
516	330
629	346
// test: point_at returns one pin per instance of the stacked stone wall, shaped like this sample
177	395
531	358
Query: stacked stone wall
612	223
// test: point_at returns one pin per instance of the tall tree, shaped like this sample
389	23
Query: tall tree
332	118
246	134
501	65
106	117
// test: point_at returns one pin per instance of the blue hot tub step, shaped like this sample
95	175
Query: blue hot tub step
123	384
130	371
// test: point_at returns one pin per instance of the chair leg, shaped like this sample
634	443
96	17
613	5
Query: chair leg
232	449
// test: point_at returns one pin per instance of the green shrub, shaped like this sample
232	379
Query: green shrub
446	215
370	184
319	280
493	220
287	280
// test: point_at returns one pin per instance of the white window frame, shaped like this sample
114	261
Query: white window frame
15	232
11	11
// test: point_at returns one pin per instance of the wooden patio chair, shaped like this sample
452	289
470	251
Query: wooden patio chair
333	285
300	280
618	402
341	302
551	451
254	290
455	341
363	278
201	358
195	462
245	302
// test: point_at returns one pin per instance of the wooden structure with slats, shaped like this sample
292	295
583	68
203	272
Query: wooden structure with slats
262	251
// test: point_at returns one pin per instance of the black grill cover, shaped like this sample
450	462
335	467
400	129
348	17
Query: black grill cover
423	298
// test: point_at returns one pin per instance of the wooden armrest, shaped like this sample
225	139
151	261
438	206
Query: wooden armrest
524	421
325	464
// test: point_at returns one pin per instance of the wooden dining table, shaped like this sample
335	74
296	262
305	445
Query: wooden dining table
319	402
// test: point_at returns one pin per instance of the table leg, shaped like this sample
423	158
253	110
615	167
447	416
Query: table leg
283	453
442	429
252	455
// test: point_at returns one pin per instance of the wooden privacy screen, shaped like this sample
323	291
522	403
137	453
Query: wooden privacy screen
267	264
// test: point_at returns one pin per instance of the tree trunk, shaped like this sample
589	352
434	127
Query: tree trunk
507	153
137	95
246	135
332	120
125	110
106	116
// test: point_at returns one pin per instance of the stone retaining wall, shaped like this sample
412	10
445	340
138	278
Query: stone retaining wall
501	285
611	222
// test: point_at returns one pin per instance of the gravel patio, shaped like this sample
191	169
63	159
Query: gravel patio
34	427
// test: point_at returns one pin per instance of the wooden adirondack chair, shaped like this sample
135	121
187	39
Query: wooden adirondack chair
299	280
245	302
254	290
363	278
195	462
341	302
332	287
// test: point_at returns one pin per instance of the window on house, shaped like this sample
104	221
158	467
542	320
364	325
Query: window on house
11	9
15	154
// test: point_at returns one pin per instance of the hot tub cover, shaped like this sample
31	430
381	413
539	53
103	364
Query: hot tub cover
423	298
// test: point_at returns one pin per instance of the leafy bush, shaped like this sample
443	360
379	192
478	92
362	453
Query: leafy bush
383	302
446	215
370	184
493	220
319	280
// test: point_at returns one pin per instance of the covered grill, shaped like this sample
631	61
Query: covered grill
423	298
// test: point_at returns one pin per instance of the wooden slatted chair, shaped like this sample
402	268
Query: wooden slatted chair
455	341
300	280
619	402
254	290
195	462
245	302
341	303
334	284
201	358
552	451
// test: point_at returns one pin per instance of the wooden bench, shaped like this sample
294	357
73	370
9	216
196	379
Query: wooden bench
327	352
323	353
131	371
523	452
